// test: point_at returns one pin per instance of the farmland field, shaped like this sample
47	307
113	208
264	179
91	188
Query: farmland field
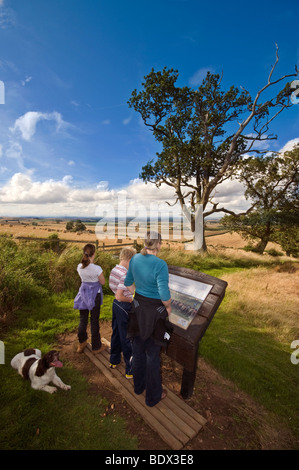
217	237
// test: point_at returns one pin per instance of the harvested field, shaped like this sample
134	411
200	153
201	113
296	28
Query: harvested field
44	228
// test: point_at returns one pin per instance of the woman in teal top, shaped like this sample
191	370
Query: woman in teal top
150	275
151	304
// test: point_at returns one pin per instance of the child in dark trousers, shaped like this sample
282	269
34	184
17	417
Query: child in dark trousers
120	311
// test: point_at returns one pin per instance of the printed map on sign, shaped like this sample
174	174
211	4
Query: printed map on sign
187	296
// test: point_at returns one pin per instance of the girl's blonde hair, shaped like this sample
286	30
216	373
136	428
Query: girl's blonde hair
127	253
151	242
88	251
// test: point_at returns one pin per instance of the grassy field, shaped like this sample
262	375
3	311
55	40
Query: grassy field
73	420
250	338
248	341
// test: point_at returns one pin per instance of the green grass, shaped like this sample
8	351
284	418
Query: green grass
244	348
39	288
39	323
249	355
215	265
71	420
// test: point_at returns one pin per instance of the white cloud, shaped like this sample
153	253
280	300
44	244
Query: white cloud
230	195
15	151
137	190
71	163
103	185
27	123
21	189
24	195
7	17
258	144
200	75
127	121
290	145
106	122
61	197
27	80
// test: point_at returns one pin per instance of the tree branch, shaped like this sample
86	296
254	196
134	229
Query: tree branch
244	124
206	214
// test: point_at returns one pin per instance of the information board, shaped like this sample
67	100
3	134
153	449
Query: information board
196	297
187	296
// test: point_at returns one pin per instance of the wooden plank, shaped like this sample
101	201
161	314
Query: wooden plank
187	410
176	420
185	416
165	421
195	420
170	416
137	405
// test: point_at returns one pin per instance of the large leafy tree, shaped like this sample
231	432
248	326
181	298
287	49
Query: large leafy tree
203	134
272	186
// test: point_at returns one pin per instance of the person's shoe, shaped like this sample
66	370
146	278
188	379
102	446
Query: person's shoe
112	366
129	376
81	347
164	394
97	351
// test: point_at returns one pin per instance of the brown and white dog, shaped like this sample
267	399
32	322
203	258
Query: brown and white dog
40	370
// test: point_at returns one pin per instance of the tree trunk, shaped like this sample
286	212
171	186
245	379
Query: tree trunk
261	246
197	228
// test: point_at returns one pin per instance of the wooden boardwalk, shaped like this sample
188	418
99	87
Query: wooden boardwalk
172	419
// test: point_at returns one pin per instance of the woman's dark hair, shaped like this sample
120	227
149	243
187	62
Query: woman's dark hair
88	251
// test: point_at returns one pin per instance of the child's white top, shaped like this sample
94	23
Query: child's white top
89	274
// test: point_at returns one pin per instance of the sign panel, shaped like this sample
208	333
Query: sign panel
187	295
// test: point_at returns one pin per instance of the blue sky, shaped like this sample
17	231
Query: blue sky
68	140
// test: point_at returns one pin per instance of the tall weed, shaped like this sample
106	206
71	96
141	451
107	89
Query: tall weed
212	261
28	272
18	285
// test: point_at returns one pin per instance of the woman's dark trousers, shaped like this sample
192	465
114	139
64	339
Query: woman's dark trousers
94	325
146	370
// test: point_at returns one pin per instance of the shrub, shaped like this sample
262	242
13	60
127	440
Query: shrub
33	270
273	252
54	243
18	285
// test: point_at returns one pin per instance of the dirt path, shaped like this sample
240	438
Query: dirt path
235	421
